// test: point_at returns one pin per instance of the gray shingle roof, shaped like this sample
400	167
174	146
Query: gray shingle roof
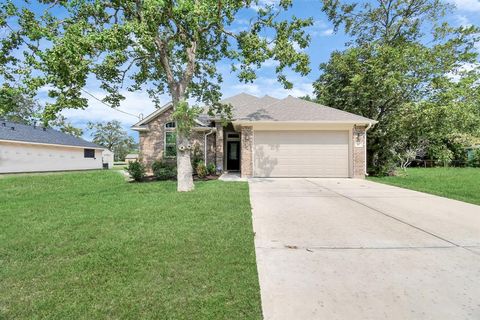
250	108
25	133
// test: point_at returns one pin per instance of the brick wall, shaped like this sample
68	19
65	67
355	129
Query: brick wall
247	154
359	147
219	146
151	143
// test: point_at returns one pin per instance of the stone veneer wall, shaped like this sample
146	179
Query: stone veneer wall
359	148
247	151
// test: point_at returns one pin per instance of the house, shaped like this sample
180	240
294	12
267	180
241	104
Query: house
25	148
268	137
131	157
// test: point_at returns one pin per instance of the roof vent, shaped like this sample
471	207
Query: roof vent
13	128
44	129
4	124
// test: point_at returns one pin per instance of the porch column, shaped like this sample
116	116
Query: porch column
246	158
219	147
359	151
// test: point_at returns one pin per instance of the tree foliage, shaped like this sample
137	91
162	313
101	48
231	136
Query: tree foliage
112	136
421	87
20	108
161	46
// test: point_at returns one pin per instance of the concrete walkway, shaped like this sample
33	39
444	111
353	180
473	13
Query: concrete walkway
354	249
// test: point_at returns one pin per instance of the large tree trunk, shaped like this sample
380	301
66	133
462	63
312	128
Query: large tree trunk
184	147
184	165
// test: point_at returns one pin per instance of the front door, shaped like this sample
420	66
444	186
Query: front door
233	155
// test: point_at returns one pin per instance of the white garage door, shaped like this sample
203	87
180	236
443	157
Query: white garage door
301	154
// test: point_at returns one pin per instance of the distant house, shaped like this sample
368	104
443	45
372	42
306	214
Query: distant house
471	150
131	157
25	148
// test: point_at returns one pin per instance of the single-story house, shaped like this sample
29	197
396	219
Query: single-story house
25	148
267	137
131	157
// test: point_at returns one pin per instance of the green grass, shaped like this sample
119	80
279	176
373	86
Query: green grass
91	246
455	183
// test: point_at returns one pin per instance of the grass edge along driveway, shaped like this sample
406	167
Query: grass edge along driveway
91	246
455	183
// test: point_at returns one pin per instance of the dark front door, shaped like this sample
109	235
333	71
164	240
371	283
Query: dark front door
233	155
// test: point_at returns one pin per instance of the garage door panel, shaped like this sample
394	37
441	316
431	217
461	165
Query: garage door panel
301	154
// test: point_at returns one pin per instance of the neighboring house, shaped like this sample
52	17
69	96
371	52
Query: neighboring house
131	157
471	151
26	148
268	137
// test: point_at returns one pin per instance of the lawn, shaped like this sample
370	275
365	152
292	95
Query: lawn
92	246
455	183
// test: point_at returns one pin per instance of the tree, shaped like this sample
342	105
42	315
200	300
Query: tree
162	46
21	108
416	89
111	136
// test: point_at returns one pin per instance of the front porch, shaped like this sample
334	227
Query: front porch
234	150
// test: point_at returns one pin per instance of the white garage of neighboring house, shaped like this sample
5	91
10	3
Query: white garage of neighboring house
25	148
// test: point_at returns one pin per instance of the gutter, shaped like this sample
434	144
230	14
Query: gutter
205	145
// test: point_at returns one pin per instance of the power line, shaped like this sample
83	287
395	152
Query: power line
116	109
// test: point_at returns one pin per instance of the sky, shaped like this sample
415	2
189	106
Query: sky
324	41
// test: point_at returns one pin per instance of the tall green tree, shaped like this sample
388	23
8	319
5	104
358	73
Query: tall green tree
112	136
162	46
405	69
21	108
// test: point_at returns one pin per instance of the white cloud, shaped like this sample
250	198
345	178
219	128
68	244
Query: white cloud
463	21
263	3
320	28
467	5
270	86
136	103
327	32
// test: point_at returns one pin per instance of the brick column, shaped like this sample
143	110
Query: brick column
219	147
359	154
247	154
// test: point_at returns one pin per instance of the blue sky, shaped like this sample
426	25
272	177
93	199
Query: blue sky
324	42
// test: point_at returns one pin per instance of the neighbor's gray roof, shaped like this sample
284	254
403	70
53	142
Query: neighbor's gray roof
250	108
25	133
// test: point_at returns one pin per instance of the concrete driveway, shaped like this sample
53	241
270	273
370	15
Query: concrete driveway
354	249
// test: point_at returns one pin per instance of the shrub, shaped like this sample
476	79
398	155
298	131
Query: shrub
136	170
211	169
163	170
201	170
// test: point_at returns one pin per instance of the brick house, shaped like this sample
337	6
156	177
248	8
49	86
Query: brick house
267	137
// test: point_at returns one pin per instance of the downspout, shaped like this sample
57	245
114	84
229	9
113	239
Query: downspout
205	145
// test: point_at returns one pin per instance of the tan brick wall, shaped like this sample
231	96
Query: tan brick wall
151	142
247	154
219	146
359	147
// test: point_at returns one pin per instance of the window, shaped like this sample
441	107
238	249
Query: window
89	153
170	125
170	149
